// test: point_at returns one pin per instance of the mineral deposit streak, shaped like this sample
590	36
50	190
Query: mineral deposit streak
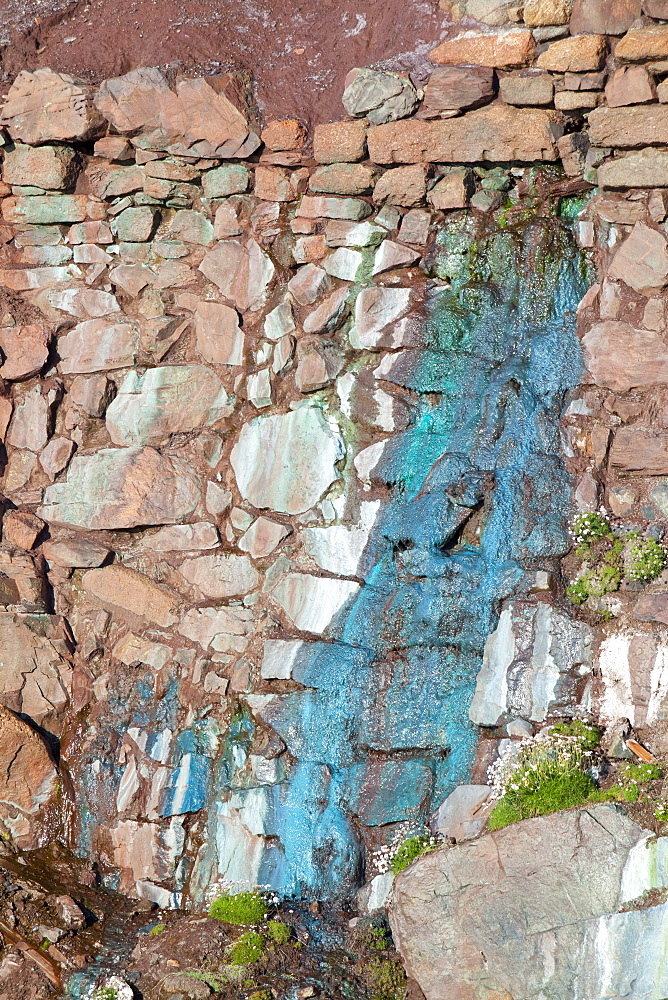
478	500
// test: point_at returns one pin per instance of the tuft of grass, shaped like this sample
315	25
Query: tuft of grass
279	932
555	792
247	949
409	851
213	980
242	908
587	735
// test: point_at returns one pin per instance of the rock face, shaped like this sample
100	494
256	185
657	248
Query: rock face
122	488
28	782
484	920
285	463
621	357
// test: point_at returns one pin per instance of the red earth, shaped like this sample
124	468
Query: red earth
298	51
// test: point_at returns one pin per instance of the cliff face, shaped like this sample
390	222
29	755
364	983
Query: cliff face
293	426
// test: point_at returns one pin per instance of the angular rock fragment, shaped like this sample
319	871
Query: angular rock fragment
353	209
642	44
75	552
31	422
220	576
581	54
378	96
124	588
135	649
308	284
150	408
454	190
191	227
628	128
45	209
28	783
342	178
381	320
98	345
340	142
242	273
25	350
55	456
604	17
276	184
637	450
329	313
319	363
457	88
500	49
285	462
220	340
312	602
497	132
263	536
630	85
642	260
404	186
122	488
621	358
390	255
45	106
52	167
647	168
527	90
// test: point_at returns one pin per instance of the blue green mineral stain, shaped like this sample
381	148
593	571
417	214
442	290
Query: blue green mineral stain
399	676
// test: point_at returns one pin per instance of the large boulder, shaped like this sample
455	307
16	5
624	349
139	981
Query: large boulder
45	106
531	912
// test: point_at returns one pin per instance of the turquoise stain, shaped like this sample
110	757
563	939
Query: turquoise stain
399	677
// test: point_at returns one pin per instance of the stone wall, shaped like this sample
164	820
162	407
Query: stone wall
281	425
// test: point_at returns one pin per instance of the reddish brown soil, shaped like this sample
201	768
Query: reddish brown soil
299	51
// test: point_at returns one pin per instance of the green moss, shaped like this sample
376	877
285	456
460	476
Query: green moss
279	932
642	772
411	849
587	735
242	908
377	939
645	559
247	949
558	791
388	980
157	929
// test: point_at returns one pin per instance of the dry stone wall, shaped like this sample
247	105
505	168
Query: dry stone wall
210	335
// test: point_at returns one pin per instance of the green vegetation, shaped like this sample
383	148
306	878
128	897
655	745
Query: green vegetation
260	995
546	774
213	980
388	980
661	811
157	929
243	908
279	932
377	939
411	849
627	789
105	993
247	949
607	559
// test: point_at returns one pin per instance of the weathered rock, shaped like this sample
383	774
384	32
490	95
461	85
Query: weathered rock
494	133
541	12
390	255
122	488
404	186
219	337
308	284
223	629
25	350
380	97
44	209
263	537
312	602
530	665
643	44
181	538
345	264
21	529
604	17
283	135
286	462
635	449
319	364
577	100
36	678
632	670
191	227
31	421
648	168
329	313
258	389
220	575
454	190
55	456
134	225
464	813
630	85
277	184
51	167
580	54
134	649
353	209
120	587
415	227
506	48
527	90
340	142
28	784
642	261
340	548
493	12
169	400
343	178
109	181
84	303
242	273
456	88
621	358
381	319
627	128
75	552
656	8
45	106
98	345
448	907
232	178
